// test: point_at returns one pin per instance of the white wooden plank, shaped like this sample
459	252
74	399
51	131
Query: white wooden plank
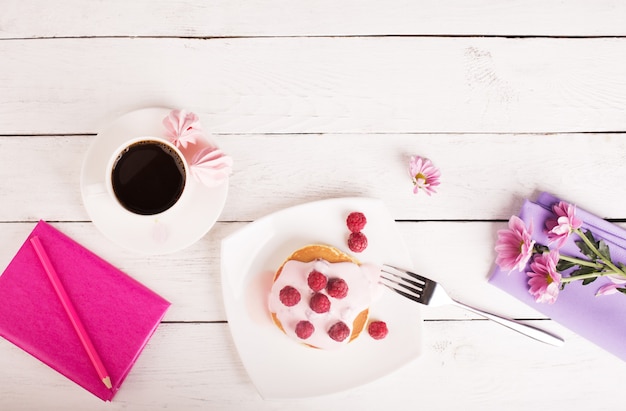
41	176
197	18
458	255
294	85
466	365
484	177
190	280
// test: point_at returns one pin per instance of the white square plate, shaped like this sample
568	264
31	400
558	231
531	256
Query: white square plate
281	367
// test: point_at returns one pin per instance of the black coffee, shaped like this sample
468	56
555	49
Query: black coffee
148	177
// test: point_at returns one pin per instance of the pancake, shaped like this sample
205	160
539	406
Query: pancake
322	254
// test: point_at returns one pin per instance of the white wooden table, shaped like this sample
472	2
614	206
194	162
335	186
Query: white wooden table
315	100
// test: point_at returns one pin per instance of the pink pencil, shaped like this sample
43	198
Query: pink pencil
71	312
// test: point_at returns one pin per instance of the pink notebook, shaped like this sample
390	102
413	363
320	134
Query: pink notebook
119	314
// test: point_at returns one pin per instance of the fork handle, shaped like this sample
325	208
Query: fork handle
526	329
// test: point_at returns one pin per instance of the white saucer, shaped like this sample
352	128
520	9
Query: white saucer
179	227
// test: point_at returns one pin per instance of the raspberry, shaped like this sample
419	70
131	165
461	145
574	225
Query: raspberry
357	242
289	296
319	303
337	288
339	331
304	329
377	330
356	221
317	281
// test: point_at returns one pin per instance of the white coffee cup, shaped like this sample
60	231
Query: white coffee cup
145	175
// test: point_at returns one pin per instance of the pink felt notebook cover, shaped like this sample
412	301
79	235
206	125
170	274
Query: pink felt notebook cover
119	313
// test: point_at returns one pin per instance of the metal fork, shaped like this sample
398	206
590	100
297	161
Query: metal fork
426	291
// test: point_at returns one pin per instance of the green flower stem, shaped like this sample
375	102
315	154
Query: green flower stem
597	252
579	261
566	280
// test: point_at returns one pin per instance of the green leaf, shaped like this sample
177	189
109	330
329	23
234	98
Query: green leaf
584	248
590	236
582	271
603	248
564	265
540	248
589	280
622	290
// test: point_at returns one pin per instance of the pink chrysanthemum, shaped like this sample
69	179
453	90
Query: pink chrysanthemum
545	280
566	221
182	128
424	174
617	281
514	246
607	289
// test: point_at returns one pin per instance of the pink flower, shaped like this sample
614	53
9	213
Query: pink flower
514	245
607	289
210	166
182	128
560	228
424	174
544	281
617	281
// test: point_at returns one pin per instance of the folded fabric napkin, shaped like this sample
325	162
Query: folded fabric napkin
118	313
600	319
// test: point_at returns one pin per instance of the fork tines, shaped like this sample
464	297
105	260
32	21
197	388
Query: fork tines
407	284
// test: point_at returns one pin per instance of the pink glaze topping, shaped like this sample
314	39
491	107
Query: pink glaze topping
362	281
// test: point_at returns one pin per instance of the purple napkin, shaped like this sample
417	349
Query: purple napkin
601	320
